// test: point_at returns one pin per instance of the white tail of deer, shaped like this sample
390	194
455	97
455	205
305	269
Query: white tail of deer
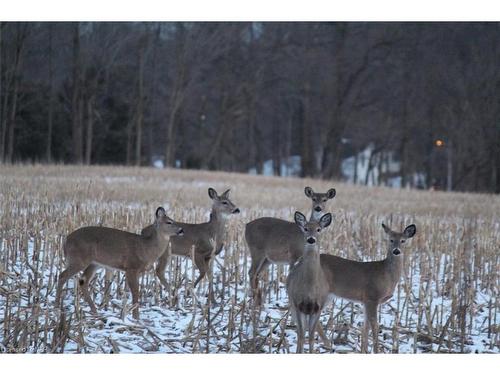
370	283
277	241
88	248
306	284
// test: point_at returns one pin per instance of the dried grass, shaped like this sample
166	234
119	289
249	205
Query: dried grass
447	300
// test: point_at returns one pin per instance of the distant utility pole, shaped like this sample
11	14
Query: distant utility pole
449	168
449	165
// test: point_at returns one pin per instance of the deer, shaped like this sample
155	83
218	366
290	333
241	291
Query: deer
307	285
201	237
272	240
88	248
370	283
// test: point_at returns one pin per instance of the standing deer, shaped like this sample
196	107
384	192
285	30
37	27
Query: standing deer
200	236
272	240
370	283
86	249
306	284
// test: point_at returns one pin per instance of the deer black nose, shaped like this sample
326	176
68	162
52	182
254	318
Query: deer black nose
317	208
311	240
236	211
396	251
180	231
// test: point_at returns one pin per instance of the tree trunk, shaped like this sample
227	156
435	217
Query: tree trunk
12	122
130	140
221	131
252	145
307	160
48	150
356	160
170	149
276	149
403	171
2	106
176	96
496	158
155	116
90	130
20	38
331	154
76	101
140	108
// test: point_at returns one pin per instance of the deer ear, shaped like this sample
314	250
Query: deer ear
300	219
226	193
309	192
325	220
212	193
331	193
386	228
160	212
410	231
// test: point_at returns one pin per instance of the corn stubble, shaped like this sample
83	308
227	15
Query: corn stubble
447	300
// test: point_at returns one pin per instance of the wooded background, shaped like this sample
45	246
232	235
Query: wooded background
229	96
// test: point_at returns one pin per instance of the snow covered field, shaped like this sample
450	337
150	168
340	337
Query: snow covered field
447	300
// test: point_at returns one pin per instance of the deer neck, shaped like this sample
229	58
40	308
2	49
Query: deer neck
155	244
394	264
217	222
315	216
310	267
311	255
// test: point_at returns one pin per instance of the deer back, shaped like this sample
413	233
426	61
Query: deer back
280	240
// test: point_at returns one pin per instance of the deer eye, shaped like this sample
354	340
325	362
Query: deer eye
402	241
324	200
392	241
306	230
224	202
318	230
169	222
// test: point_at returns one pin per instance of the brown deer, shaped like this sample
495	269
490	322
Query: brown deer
306	284
200	236
86	249
370	283
272	240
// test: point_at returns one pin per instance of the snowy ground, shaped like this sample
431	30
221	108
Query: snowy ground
180	325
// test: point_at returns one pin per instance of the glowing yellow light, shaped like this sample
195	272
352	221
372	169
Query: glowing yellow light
439	143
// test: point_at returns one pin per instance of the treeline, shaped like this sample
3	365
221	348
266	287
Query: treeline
229	96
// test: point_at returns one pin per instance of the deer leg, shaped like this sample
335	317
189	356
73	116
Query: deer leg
202	265
84	282
210	281
108	277
133	283
63	278
219	248
324	338
364	337
313	324
260	266
299	318
371	317
160	269
252	273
